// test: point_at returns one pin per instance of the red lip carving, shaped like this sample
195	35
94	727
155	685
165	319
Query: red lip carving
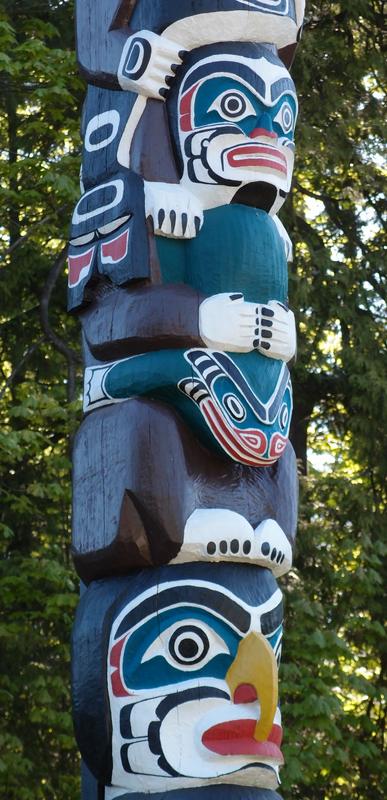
257	156
236	738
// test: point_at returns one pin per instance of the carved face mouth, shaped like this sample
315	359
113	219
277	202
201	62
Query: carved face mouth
236	737
256	156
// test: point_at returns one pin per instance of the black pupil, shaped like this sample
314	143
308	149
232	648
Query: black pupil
188	648
232	105
189	645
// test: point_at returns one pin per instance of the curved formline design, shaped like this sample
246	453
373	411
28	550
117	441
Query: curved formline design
185	482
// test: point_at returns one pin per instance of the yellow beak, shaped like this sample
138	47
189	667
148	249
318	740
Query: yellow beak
255	665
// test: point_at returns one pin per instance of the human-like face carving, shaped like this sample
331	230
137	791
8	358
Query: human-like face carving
193	684
235	113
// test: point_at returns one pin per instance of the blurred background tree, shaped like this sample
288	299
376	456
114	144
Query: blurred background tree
334	663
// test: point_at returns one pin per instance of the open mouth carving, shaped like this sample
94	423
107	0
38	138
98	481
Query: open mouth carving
255	155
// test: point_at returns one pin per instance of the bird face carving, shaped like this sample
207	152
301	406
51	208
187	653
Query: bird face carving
193	684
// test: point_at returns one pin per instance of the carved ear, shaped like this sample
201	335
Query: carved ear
123	14
132	538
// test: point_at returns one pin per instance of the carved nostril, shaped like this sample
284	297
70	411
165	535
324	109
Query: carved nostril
245	693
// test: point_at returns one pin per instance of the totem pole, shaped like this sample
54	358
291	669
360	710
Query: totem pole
185	483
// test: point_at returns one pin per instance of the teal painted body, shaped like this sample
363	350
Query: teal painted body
238	403
237	250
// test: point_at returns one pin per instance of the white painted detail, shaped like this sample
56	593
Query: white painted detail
171	198
207	528
111	118
236	26
94	393
141	716
119	187
228	324
112	226
164	53
123	152
81	240
283	342
285	238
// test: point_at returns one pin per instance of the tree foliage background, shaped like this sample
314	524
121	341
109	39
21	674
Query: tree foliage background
334	662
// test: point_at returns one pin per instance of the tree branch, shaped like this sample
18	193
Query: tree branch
28	353
71	355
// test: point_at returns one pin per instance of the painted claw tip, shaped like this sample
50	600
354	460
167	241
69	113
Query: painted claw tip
163	93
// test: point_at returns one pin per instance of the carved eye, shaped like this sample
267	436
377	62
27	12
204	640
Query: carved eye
188	645
285	118
284	416
233	105
234	407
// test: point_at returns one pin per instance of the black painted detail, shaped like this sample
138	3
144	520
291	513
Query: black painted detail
211	548
234	546
154	738
223	547
265	548
267	312
246	547
271	620
138	48
273	553
199	595
176	699
125	725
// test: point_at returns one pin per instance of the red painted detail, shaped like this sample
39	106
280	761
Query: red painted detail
236	737
115	249
118	687
246	447
186	110
262	132
245	693
79	266
277	445
254	155
115	653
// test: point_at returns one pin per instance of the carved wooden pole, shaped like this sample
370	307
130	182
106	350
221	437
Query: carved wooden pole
185	485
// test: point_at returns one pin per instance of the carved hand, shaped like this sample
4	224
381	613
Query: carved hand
148	63
228	322
174	211
275	334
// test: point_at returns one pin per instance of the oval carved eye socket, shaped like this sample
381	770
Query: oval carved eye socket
285	118
234	407
233	105
284	416
188	645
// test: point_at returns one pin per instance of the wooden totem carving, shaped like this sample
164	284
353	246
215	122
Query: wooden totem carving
185	484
